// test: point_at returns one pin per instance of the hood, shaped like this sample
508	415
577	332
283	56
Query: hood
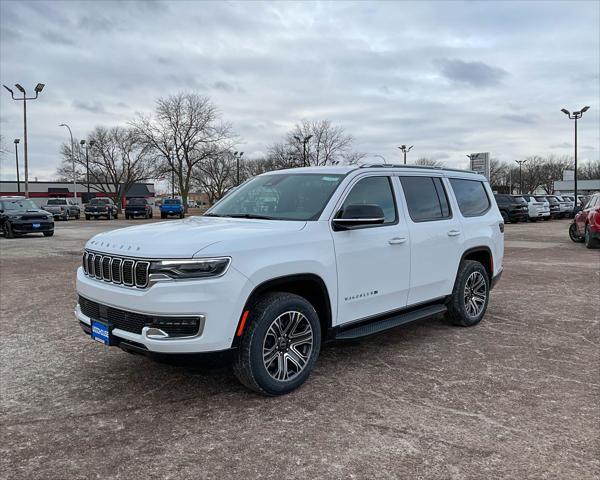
184	238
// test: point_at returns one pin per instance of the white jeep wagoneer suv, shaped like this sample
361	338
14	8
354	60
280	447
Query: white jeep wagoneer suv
294	258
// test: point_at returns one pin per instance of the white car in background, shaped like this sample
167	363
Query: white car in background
536	208
566	206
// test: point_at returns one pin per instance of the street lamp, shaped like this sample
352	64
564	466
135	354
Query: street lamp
575	116
38	88
238	157
303	141
17	161
520	162
73	159
87	145
404	149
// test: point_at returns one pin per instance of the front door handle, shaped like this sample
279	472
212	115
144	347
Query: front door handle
453	233
396	240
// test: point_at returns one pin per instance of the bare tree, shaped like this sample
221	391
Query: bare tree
428	162
216	175
589	170
184	131
117	160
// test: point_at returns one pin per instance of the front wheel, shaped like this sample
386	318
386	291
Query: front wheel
8	231
48	234
280	346
470	297
573	235
87	217
504	216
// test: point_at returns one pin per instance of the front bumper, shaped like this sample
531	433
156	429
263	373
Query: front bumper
26	226
97	214
220	301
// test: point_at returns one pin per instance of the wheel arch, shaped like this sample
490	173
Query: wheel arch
482	254
308	285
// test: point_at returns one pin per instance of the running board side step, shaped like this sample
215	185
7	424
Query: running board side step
390	322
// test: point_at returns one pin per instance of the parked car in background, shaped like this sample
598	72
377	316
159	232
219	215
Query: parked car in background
554	204
138	207
172	207
538	210
19	215
101	207
63	208
586	225
566	207
511	209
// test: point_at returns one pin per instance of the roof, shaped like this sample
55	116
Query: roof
344	170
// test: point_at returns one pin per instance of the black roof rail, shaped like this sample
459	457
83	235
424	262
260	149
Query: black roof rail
424	167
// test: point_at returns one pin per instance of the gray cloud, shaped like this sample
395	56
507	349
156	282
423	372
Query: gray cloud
477	74
454	79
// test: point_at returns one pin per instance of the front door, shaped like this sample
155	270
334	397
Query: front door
373	263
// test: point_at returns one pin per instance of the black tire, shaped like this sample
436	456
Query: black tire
573	235
116	216
87	217
533	220
151	214
181	215
8	231
458	310
78	216
109	215
66	217
589	241
162	215
504	216
48	234
126	217
249	366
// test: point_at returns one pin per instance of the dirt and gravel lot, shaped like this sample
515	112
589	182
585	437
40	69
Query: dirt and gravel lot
515	397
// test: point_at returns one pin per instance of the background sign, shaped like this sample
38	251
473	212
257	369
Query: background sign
480	162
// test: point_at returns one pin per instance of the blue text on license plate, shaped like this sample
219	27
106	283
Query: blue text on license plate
35	225
100	332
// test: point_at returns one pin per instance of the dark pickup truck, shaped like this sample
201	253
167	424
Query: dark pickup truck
138	207
101	207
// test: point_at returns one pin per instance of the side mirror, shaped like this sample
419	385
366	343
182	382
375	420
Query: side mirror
354	216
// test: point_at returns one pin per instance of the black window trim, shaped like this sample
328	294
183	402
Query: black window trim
349	189
484	191
449	217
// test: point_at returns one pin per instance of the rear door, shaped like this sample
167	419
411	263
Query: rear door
436	238
373	262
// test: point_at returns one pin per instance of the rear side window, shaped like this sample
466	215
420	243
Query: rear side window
471	197
374	191
426	198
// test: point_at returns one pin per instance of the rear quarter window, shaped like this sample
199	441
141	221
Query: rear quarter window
426	198
471	196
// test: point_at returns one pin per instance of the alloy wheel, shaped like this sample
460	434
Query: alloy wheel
475	294
287	346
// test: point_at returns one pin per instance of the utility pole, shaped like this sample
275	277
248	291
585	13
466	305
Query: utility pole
520	162
38	88
87	145
17	160
575	116
404	149
303	141
73	159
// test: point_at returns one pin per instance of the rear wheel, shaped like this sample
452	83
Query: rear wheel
181	215
163	215
48	234
280	345
573	235
8	231
589	241
469	300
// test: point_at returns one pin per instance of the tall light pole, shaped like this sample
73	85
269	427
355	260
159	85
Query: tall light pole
38	88
73	159
87	145
303	141
238	157
520	162
404	149
575	116
172	163
17	161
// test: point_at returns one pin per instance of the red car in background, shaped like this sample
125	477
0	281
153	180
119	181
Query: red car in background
586	225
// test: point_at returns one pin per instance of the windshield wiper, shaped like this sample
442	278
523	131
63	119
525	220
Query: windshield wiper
248	215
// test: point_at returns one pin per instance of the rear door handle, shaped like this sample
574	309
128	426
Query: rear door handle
396	240
453	233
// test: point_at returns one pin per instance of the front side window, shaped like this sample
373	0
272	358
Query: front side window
426	198
374	191
471	197
285	196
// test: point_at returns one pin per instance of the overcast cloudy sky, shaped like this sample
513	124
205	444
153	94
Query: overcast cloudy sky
449	77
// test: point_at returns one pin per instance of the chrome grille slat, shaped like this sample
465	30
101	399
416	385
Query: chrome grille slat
118	270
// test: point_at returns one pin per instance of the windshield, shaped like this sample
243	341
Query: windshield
541	199
136	201
293	196
520	200
99	201
172	201
24	204
552	200
57	201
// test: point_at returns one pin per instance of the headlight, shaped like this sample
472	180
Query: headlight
49	217
16	217
193	268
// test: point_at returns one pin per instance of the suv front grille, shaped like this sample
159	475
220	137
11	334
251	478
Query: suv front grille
134	322
117	270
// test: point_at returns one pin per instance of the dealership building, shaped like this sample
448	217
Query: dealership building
41	192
